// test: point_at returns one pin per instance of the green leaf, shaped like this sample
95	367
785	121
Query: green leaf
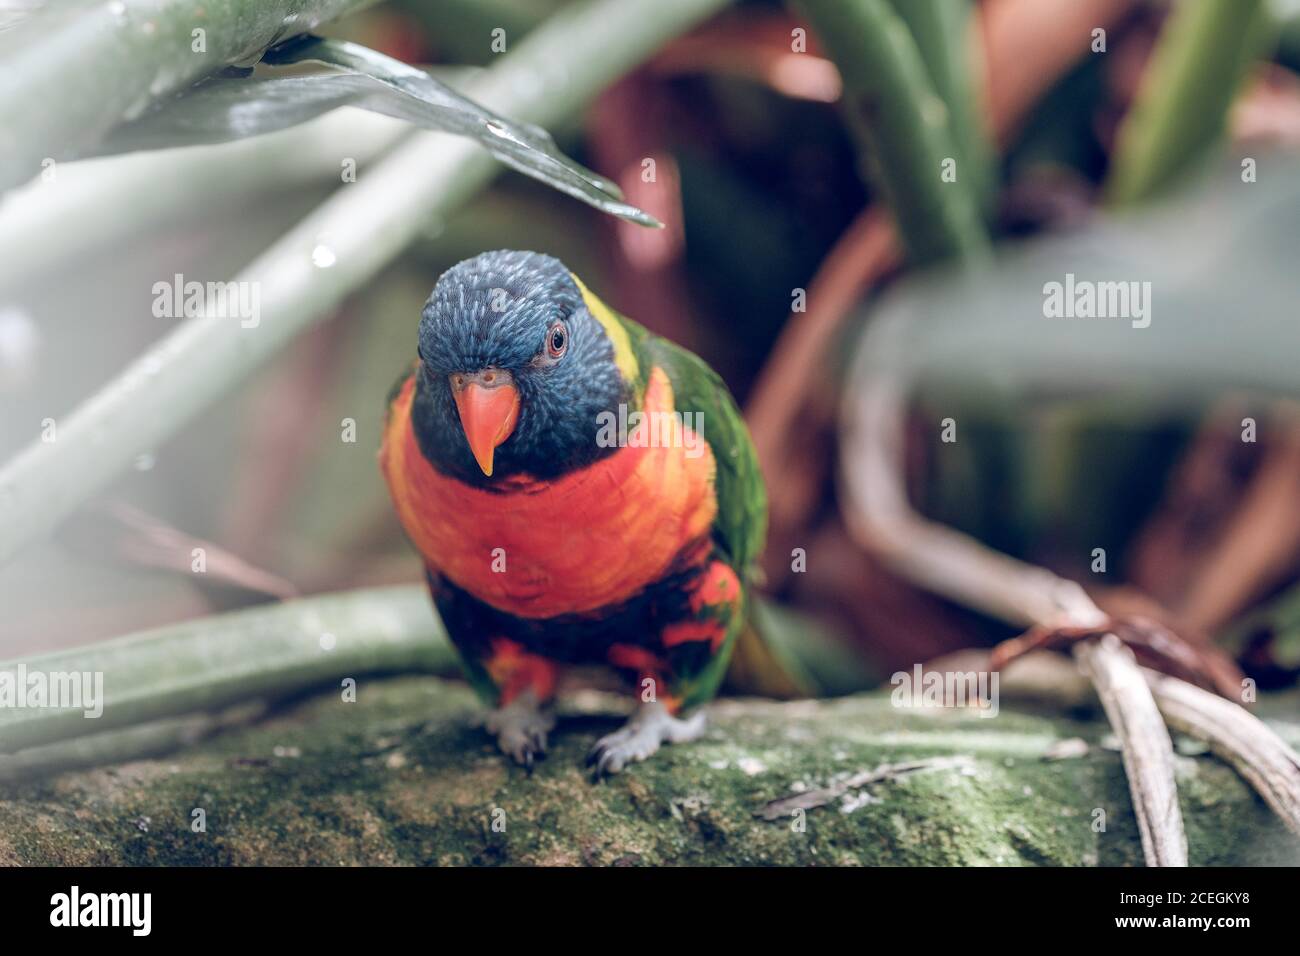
1215	273
1204	53
270	651
941	29
72	70
225	108
902	127
368	224
16	11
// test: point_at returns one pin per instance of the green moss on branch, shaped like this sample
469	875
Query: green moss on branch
404	776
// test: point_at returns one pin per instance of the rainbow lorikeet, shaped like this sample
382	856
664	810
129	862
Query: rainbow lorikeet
582	491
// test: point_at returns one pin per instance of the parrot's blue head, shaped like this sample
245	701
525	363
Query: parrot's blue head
514	371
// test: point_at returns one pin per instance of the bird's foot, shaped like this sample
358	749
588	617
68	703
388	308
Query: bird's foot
521	727
641	736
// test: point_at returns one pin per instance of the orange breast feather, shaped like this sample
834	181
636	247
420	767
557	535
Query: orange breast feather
587	540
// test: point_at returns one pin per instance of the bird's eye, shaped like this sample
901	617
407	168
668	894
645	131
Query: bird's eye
557	340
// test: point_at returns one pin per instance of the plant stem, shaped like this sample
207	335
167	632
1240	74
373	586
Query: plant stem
1266	760
902	127
118	198
958	567
556	70
270	651
1204	52
70	75
942	32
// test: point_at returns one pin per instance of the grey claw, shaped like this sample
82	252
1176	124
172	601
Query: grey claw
641	737
521	729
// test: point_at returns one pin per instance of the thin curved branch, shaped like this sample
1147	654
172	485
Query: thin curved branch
959	567
1266	760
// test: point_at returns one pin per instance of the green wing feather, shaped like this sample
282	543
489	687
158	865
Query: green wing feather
741	525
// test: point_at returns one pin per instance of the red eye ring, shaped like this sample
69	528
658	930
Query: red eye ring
557	340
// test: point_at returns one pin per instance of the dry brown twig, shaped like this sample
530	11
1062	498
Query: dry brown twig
820	797
949	563
1266	760
1152	644
143	540
1261	540
959	567
1220	541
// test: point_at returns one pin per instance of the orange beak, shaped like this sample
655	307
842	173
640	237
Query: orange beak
488	413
